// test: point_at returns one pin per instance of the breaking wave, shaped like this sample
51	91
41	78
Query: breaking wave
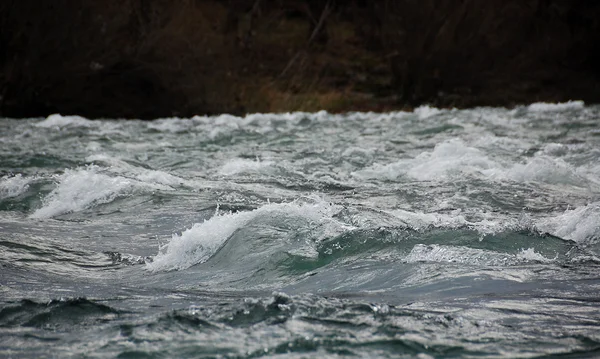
316	230
453	159
83	188
13	186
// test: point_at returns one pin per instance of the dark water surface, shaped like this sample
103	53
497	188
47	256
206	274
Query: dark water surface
432	234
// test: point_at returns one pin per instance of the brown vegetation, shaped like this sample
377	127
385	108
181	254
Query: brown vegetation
153	58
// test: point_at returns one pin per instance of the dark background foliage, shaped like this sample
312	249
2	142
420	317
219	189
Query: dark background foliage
152	58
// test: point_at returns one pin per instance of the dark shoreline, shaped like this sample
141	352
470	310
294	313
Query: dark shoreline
157	58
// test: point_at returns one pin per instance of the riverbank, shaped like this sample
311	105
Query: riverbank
154	58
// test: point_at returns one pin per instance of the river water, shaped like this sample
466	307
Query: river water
427	234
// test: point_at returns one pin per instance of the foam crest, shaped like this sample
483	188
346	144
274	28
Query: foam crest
581	224
555	149
172	125
159	177
448	159
197	244
223	125
471	256
220	126
376	117
551	107
357	155
13	186
530	255
543	169
82	189
151	177
425	111
59	121
273	119
242	165
422	221
217	126
453	159
261	123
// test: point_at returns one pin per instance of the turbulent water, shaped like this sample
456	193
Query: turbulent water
425	234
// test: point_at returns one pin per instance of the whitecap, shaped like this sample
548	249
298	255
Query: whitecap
197	244
13	186
530	255
580	224
59	121
373	117
84	188
544	169
457	254
455	220
172	125
552	107
222	126
426	111
455	159
470	256
357	155
555	149
448	159
242	165
159	177
149	176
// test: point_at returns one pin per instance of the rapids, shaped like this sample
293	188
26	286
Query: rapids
431	234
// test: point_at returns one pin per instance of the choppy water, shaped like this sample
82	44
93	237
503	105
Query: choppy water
432	234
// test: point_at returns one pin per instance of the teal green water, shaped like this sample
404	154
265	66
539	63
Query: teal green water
430	234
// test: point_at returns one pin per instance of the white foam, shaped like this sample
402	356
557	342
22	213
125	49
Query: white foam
274	120
13	186
455	159
581	224
199	243
93	146
375	117
242	165
358	155
530	255
447	160
358	152
222	126
591	171
544	169
148	176
470	256
555	149
84	188
59	121
159	177
425	111
454	220
104	158
551	107
172	125
450	158
456	254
